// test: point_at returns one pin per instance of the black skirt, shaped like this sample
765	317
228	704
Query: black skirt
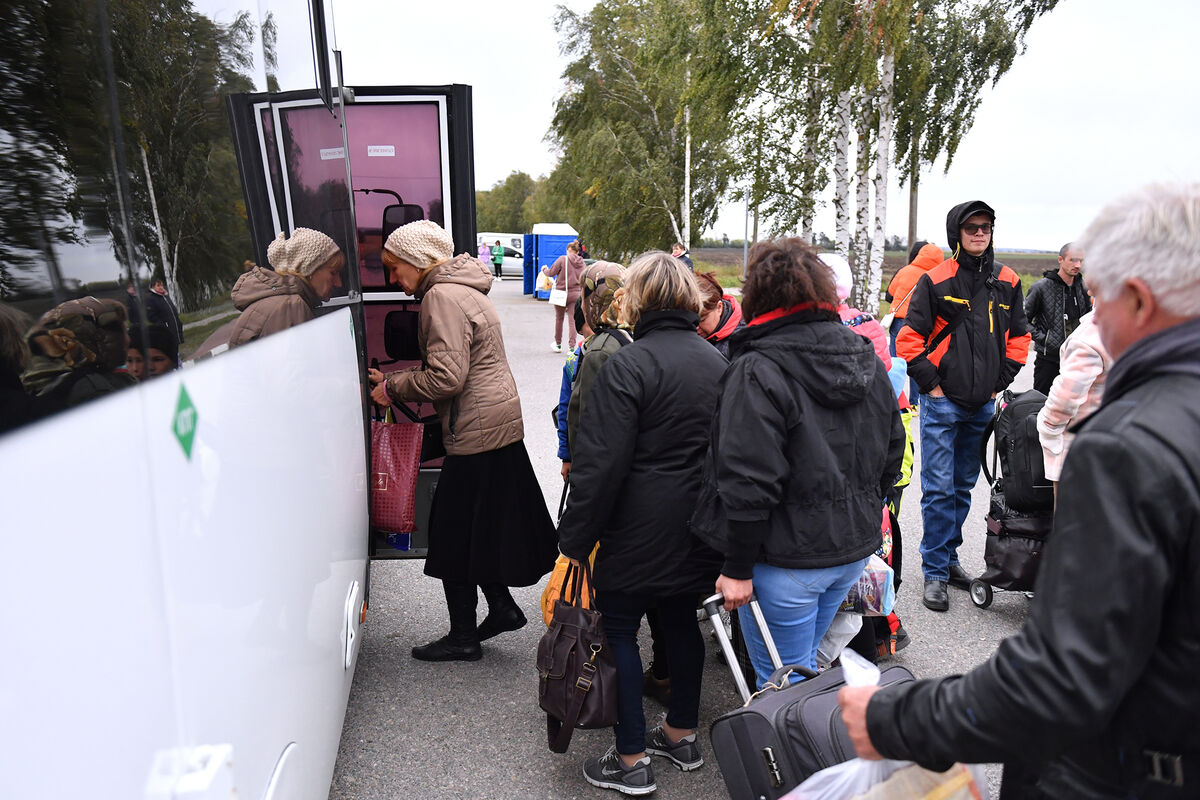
488	522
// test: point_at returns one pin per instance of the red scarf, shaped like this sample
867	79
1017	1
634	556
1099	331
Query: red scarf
779	313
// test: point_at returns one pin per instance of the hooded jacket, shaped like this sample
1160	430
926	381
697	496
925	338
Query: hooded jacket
567	271
805	445
899	291
1103	670
270	302
638	453
465	371
731	320
988	348
1054	309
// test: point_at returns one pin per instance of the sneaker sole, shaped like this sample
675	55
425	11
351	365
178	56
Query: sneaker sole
620	787
685	766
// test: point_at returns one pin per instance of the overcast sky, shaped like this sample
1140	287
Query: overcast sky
1103	100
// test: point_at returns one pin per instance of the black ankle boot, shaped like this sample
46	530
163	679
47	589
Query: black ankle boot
503	612
448	648
462	643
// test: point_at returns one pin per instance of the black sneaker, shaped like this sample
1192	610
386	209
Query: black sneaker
608	772
684	754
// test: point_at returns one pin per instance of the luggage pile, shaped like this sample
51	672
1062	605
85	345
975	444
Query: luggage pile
1021	513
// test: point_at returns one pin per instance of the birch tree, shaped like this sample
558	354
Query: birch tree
643	143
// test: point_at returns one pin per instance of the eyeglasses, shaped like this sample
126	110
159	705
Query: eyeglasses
984	227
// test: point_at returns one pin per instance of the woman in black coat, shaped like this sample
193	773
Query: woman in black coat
640	443
806	443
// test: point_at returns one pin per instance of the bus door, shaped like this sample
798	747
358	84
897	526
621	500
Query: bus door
410	157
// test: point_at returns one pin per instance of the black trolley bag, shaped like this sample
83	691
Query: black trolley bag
1021	512
786	732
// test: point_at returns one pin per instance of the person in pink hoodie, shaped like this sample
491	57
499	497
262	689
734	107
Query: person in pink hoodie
1075	393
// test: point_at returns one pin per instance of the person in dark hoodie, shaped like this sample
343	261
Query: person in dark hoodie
1054	307
805	446
1095	696
965	339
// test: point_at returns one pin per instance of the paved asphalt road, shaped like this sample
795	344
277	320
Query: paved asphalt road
418	730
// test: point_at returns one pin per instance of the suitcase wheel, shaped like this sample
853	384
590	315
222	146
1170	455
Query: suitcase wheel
981	593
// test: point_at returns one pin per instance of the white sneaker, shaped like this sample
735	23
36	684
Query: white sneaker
556	347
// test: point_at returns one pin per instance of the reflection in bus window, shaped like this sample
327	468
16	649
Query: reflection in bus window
307	268
396	151
77	353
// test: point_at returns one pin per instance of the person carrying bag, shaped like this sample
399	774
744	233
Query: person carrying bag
577	676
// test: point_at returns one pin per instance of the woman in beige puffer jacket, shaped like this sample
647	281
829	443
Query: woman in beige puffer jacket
488	525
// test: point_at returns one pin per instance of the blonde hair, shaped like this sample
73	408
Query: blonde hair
657	281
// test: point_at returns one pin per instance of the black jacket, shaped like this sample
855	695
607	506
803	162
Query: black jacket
987	350
1105	667
806	443
638	451
1053	310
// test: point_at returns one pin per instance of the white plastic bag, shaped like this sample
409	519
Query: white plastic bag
859	779
845	626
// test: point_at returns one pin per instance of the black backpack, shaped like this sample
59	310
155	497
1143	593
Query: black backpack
1022	474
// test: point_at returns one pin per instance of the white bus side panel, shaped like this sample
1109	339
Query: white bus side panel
163	601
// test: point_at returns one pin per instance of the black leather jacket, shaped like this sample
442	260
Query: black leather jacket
1104	669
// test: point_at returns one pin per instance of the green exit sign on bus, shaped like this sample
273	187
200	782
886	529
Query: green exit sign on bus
186	419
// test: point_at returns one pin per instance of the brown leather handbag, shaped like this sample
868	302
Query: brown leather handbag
577	675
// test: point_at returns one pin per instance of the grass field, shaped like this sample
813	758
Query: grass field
726	262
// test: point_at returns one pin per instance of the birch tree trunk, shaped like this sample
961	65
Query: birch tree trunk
883	148
841	177
862	228
167	267
686	211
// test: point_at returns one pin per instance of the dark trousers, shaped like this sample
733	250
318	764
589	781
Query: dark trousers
1045	370
684	645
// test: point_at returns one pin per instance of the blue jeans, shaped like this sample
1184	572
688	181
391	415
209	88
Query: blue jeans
684	645
950	436
798	605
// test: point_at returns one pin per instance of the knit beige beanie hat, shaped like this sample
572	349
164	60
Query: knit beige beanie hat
423	244
302	254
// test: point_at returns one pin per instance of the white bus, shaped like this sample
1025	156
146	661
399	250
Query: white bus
186	560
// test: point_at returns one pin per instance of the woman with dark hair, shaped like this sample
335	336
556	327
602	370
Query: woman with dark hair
805	445
635	479
720	313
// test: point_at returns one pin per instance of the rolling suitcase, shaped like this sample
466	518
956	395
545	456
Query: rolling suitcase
785	732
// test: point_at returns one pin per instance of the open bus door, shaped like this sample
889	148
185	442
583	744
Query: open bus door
410	156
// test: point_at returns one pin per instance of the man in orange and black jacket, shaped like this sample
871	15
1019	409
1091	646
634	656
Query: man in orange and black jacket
985	348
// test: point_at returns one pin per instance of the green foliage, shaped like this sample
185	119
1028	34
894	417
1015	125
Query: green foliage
623	125
173	66
502	208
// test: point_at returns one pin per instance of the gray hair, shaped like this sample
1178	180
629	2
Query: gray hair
1152	234
657	281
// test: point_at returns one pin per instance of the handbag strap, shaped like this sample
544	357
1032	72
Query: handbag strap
576	577
559	733
562	501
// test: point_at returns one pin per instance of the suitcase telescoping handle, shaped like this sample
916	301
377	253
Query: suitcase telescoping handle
712	607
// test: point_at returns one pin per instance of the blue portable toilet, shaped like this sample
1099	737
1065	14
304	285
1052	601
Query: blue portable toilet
549	241
528	273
